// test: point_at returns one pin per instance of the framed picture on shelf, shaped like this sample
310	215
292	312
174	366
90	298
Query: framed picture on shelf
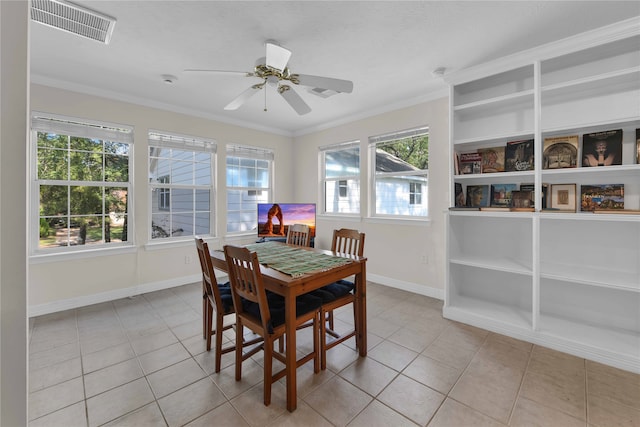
563	197
601	196
560	152
478	196
602	148
522	199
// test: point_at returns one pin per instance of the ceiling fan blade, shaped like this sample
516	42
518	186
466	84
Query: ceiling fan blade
337	85
293	99
200	70
244	97
277	56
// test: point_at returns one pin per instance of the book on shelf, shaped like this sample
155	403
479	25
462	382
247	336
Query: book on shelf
602	148
501	194
522	209
492	159
531	187
521	199
560	152
478	196
459	200
638	146
601	196
518	155
456	163
470	163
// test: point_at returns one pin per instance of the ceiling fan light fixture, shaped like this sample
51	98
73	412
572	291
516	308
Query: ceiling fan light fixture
74	19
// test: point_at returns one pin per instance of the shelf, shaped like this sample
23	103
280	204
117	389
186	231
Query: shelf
591	276
498	177
610	346
461	307
627	78
498	102
594	171
492	140
508	265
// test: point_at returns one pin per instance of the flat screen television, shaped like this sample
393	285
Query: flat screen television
274	219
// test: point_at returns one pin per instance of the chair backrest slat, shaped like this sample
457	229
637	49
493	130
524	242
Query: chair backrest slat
299	234
348	241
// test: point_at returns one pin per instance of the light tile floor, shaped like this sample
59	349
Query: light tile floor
141	361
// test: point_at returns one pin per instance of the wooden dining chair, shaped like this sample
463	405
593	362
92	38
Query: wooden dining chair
299	234
216	298
346	241
263	312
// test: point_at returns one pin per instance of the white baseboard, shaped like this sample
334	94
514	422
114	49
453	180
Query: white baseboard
407	286
83	301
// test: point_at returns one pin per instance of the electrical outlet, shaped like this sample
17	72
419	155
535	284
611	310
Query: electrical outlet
424	259
187	259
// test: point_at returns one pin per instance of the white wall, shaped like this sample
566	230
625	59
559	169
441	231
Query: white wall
14	107
58	283
395	250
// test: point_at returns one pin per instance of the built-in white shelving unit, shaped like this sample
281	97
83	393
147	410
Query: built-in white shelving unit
569	281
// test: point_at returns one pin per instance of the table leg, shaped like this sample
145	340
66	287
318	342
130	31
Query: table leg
362	310
290	351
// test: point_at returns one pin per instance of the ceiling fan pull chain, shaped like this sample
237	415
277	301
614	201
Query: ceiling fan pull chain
265	99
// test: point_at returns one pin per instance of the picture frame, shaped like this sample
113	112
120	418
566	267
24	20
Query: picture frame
596	197
563	197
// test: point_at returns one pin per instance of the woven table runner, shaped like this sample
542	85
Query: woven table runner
294	261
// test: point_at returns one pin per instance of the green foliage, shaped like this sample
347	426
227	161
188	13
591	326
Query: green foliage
414	150
45	228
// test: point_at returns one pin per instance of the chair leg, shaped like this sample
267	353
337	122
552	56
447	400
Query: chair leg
218	332
330	319
316	344
239	335
323	341
209	324
268	363
205	304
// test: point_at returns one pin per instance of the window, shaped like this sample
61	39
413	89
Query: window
249	171
81	184
400	172
415	193
181	185
340	176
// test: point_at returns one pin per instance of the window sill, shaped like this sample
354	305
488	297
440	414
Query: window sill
42	258
419	222
176	243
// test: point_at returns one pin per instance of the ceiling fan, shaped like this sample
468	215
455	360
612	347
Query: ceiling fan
273	70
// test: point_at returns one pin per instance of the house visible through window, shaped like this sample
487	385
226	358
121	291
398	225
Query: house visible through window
249	171
340	177
81	184
400	173
181	185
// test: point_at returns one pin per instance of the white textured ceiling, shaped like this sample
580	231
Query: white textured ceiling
387	48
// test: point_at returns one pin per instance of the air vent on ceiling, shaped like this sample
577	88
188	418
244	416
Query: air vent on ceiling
323	93
73	18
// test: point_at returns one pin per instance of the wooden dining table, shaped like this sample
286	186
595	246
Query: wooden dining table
290	287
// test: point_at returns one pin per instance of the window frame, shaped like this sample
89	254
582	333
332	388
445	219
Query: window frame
250	195
342	181
72	127
170	140
375	142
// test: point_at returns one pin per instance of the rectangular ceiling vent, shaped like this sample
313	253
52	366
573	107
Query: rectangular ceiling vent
73	18
322	93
